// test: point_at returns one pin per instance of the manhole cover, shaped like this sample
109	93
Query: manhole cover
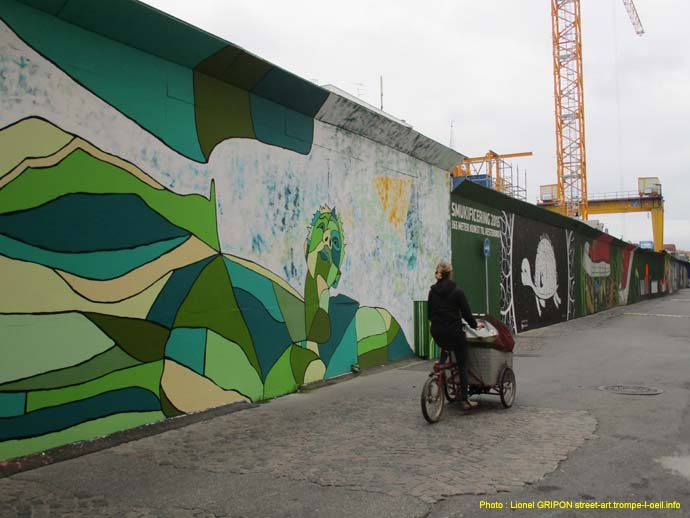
632	390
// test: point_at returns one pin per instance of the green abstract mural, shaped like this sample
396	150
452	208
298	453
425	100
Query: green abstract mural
145	318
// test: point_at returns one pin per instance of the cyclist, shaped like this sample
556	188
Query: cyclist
447	307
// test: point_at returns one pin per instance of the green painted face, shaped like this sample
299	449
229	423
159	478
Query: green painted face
324	249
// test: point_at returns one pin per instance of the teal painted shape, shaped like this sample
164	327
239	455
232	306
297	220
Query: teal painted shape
143	27
289	90
90	265
187	346
156	93
399	348
256	284
169	300
345	355
277	125
104	222
12	403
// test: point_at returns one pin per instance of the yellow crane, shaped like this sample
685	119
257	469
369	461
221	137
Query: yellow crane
570	197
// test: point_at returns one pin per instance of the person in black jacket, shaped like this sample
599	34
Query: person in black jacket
447	307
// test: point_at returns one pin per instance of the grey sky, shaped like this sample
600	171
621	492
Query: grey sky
486	65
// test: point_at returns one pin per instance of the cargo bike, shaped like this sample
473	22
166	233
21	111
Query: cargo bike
490	369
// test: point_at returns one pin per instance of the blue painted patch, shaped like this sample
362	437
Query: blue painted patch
90	265
12	403
80	222
169	300
187	347
53	419
257	243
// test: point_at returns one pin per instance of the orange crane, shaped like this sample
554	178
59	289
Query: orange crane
570	106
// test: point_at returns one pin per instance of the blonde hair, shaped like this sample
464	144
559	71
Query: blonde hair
444	269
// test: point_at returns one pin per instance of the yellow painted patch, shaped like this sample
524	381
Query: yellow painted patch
136	281
191	392
33	288
315	371
395	197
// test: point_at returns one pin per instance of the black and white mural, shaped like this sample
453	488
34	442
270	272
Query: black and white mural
541	282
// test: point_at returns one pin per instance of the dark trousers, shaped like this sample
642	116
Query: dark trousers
460	351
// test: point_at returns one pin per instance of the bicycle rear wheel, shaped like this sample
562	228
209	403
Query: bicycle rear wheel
432	399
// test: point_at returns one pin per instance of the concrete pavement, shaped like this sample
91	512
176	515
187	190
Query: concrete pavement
362	448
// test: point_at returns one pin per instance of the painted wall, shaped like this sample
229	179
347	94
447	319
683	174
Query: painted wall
183	225
552	268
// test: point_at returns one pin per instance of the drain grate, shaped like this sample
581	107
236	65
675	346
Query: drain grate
632	390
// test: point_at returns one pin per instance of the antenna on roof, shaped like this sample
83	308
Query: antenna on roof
381	77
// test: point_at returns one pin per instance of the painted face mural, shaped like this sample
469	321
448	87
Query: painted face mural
324	248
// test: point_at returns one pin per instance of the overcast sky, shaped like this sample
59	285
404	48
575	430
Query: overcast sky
486	66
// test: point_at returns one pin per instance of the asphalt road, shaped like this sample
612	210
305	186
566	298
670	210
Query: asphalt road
362	448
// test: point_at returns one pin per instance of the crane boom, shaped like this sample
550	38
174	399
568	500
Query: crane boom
634	18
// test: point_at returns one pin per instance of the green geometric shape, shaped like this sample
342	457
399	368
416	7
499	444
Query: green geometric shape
146	376
222	112
292	310
211	304
234	66
167	407
35	344
111	360
141	339
12	403
345	354
91	265
29	137
83	431
392	331
300	358
320	330
187	347
134	82
256	284
373	358
280	380
369	322
228	367
81	172
371	342
277	125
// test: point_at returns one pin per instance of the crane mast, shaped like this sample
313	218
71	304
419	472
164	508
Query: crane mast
570	112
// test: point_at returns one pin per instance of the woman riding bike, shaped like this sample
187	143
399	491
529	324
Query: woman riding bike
447	307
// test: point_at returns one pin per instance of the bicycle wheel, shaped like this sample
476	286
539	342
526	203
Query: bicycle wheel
507	387
432	400
450	388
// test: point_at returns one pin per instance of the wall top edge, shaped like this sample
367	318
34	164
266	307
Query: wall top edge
141	26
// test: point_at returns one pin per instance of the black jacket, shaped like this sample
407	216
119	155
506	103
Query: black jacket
447	307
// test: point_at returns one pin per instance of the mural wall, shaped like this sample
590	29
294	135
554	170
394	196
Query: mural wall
554	268
179	229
